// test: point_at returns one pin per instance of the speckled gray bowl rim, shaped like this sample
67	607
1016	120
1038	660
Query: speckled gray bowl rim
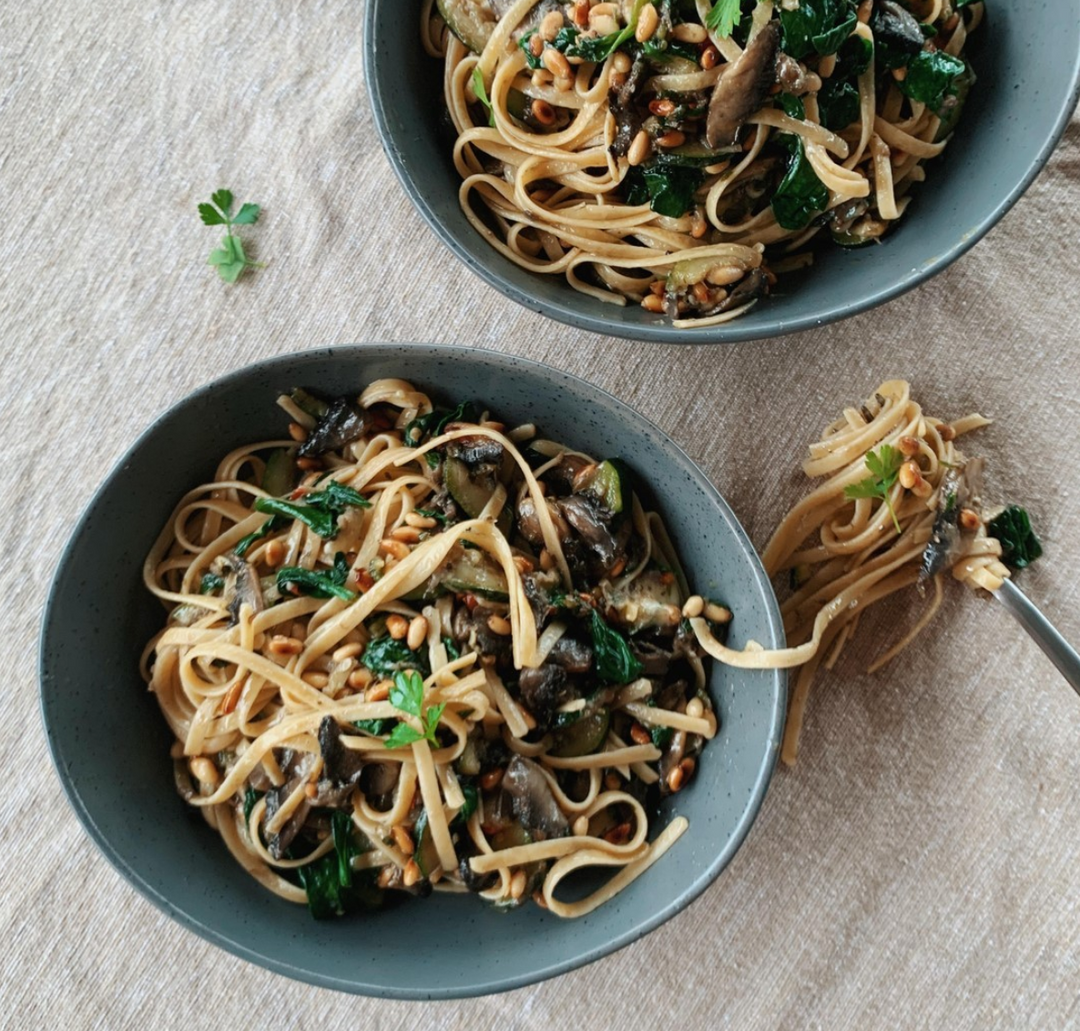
732	332
509	364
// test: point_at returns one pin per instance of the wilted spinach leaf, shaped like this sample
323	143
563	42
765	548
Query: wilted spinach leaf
930	74
615	663
1019	545
817	26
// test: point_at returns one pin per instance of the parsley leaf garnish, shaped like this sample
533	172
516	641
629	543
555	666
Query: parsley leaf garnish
407	694
230	260
884	466
724	17
481	94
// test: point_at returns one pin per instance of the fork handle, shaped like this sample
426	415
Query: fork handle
1042	632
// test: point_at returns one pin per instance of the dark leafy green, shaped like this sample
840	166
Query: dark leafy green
316	583
838	104
320	510
269	526
1019	545
615	662
386	656
472	797
328	879
801	194
661	736
668	189
377	728
452	651
210	582
930	75
817	26
251	796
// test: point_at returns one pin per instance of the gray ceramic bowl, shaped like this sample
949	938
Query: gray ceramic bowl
96	707
1026	53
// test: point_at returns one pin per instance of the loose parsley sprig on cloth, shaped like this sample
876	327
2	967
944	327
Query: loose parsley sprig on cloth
884	466
724	17
230	260
407	694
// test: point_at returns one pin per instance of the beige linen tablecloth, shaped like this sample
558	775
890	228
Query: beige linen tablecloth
919	869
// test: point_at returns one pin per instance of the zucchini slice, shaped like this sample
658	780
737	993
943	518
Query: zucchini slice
472	21
471	493
583	736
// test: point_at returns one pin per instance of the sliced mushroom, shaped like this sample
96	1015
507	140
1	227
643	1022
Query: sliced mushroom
298	770
343	423
960	488
742	89
584	516
242	586
544	689
533	802
529	524
476	450
572	655
341	765
754	285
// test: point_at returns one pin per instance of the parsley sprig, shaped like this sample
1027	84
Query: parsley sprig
230	260
884	466
481	94
724	17
407	694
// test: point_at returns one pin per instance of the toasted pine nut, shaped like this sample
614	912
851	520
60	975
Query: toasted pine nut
517	884
360	678
550	25
581	826
695	708
922	488
274	552
717	613
909	446
309	464
347	651
612	782
380	692
725	275
397	626
701	292
899	74
946	432
408	534
653	303
710	57
699	226
675	778
421	522
557	64
617	80
580	13
282	645
417	634
688	32
564	83
658	287
672	138
396	549
403	839
619	834
311	790
547	561
498	625
297	432
969	520
491	780
536	45
694	606
315	679
204	771
639	148
544	113
364	580
647	24
640	735
621	62
602	24
662	107
909	475
386	876
411	874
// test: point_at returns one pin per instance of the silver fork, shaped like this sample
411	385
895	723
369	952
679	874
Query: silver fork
1042	632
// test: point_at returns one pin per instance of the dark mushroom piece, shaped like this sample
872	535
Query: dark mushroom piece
471	631
342	766
572	655
343	423
532	799
242	586
960	488
742	89
529	524
584	516
897	34
544	689
754	285
298	770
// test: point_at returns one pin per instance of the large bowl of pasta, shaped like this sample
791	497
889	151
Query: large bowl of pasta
393	641
715	170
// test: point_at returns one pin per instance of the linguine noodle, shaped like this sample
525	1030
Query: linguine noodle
409	649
